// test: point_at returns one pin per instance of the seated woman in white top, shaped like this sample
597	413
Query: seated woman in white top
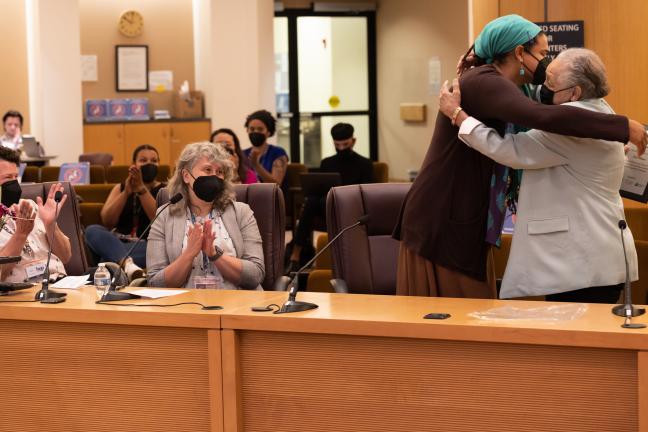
567	242
207	240
12	123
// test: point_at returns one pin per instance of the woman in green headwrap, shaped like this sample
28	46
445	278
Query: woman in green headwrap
454	210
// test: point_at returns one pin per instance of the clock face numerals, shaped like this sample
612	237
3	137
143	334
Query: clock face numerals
131	23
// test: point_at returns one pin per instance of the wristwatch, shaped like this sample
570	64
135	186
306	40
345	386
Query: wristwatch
218	254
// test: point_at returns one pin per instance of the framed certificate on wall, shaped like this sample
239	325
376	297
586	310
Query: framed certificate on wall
131	68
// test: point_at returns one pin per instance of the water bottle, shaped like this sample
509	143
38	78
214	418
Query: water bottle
102	279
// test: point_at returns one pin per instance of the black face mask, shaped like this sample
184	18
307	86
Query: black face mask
257	138
208	188
149	172
343	152
540	74
547	95
11	193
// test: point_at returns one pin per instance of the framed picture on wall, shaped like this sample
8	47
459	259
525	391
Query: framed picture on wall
131	68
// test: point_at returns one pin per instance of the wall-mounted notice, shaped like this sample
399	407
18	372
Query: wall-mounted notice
161	81
562	35
434	76
88	68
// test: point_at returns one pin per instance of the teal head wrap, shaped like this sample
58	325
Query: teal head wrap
502	35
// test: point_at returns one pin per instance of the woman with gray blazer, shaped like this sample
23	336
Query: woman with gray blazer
207	240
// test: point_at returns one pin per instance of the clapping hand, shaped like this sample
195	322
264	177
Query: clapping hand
48	210
135	179
208	238
25	216
194	239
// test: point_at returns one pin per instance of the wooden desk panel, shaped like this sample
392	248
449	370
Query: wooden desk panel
91	377
79	366
315	382
364	363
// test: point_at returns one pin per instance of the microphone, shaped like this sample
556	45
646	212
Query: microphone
627	310
44	294
291	305
112	294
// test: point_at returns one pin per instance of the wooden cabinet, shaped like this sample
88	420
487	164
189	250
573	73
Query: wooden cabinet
155	134
105	138
121	139
187	133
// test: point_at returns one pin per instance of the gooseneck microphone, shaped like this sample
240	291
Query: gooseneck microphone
627	310
44	295
112	294
292	305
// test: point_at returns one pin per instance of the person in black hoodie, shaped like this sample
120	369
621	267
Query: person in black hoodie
353	169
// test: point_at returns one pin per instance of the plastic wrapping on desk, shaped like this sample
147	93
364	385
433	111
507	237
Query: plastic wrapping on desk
566	312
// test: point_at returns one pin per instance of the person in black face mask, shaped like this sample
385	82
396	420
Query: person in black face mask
569	207
127	211
267	160
353	169
207	240
27	228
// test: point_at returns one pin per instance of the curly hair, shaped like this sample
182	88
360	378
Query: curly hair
265	117
6	154
187	160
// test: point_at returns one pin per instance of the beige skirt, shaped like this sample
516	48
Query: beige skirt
419	277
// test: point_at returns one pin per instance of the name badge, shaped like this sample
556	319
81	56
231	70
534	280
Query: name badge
208	282
35	269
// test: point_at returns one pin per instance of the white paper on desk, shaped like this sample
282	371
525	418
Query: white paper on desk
156	293
635	174
72	282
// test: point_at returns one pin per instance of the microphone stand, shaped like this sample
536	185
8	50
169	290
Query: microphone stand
292	305
44	295
112	294
627	310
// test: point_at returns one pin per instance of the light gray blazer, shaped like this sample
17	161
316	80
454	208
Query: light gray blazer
167	234
566	234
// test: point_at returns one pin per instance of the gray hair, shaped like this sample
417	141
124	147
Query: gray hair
188	159
584	68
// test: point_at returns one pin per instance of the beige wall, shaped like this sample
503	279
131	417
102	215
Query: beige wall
409	33
14	87
612	28
168	32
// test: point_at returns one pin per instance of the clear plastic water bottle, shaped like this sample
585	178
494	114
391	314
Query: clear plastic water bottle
102	279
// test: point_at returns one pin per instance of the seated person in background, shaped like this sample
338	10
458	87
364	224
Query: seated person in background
128	210
566	243
27	227
12	123
268	161
353	169
228	139
207	240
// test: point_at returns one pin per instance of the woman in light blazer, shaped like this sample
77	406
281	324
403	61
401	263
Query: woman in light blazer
567	242
207	240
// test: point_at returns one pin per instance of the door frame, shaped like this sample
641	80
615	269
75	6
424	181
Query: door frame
293	79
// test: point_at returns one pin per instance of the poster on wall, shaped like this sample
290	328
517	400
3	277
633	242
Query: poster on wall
131	63
562	35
